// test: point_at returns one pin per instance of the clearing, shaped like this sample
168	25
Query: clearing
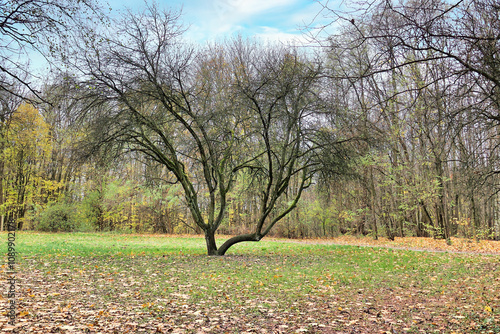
110	283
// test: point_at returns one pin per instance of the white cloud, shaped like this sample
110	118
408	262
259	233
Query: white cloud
228	16
247	7
274	20
275	35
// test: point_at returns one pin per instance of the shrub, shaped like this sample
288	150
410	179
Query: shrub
59	217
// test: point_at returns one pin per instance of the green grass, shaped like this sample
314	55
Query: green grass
93	244
306	287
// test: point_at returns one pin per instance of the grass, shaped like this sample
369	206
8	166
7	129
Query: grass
110	283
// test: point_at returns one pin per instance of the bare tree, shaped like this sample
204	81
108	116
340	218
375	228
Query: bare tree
433	63
206	116
466	33
37	27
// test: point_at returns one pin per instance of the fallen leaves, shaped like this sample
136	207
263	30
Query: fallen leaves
333	290
459	245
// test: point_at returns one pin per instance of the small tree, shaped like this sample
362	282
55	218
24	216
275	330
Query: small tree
207	117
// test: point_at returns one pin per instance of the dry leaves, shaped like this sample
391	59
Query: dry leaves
458	245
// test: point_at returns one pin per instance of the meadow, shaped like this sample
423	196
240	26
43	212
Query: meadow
113	283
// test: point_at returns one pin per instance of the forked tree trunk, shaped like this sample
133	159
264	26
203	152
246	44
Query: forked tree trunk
211	244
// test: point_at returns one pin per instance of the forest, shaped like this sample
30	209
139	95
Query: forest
387	125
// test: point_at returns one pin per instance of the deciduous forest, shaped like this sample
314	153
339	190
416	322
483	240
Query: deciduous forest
387	125
139	169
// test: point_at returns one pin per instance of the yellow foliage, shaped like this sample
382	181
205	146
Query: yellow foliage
27	142
29	132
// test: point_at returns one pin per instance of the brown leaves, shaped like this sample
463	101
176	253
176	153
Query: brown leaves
413	243
259	294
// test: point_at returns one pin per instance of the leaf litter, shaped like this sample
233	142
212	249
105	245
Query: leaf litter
329	290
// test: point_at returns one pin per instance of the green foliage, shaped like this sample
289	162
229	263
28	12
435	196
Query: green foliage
91	207
59	217
105	205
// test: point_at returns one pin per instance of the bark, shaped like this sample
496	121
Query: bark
211	244
497	218
1	187
237	239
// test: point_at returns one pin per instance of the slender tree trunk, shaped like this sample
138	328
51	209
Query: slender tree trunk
2	200
491	219
419	231
456	214
474	217
2	171
169	229
497	220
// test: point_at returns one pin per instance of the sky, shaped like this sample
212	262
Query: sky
212	20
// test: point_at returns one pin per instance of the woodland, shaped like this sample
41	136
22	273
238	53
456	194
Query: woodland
386	125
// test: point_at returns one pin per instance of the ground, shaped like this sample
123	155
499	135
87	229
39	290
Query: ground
109	283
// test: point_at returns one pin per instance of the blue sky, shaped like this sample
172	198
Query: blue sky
275	20
214	20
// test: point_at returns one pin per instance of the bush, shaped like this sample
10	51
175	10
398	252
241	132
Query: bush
59	217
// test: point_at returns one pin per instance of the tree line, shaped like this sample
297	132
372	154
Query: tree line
387	127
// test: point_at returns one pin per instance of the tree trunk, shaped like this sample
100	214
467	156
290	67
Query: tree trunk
1	186
475	218
237	239
373	197
497	218
211	244
2	172
418	222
